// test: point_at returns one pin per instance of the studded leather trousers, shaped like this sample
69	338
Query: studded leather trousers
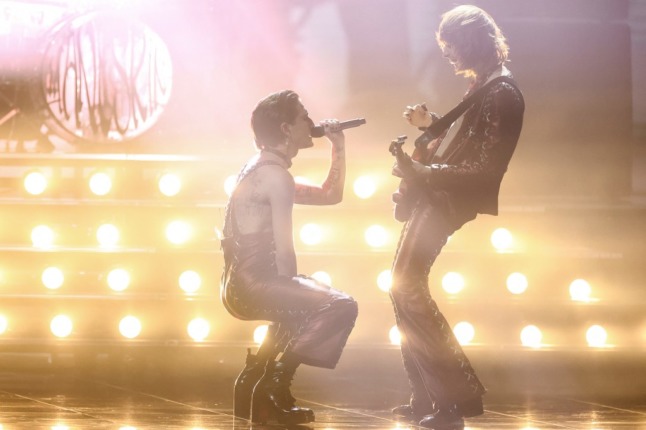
437	368
310	319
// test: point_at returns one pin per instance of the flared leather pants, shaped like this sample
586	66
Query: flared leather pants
438	370
311	320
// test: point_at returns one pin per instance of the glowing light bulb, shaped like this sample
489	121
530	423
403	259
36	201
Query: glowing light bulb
385	281
364	187
502	239
395	336
376	236
198	329
531	336
260	333
35	183
323	277
169	184
100	183
596	336
453	282
130	327
517	283
311	234
190	281
464	332
61	326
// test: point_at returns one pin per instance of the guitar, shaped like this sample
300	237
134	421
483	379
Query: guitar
409	192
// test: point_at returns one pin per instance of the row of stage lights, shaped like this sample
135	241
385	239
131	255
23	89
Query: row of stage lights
397	427
190	281
179	232
101	183
198	329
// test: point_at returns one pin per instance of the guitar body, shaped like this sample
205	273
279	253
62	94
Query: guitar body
408	193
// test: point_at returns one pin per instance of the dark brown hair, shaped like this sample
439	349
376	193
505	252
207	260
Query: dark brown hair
270	113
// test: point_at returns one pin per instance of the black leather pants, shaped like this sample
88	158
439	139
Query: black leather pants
438	370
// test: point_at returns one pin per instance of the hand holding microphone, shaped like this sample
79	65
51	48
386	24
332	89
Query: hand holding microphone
319	130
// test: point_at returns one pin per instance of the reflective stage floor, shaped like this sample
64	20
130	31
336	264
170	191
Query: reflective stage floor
157	392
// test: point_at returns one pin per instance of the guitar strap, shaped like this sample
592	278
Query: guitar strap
441	125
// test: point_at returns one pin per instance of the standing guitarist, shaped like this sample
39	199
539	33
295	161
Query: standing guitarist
452	176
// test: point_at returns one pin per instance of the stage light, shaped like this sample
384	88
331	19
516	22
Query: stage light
35	183
260	333
178	232
453	282
385	281
42	236
531	336
596	336
190	281
464	332
501	239
4	324
323	277
169	184
395	336
580	290
118	279
198	329
311	234
517	283
218	233
100	183
230	184
107	235
376	236
61	326
52	278
364	187
130	327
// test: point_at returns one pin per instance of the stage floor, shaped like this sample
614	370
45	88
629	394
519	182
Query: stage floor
71	401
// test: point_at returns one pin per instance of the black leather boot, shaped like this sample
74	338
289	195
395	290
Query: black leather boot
243	386
413	411
272	402
450	417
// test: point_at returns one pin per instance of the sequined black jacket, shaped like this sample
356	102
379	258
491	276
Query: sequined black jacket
472	168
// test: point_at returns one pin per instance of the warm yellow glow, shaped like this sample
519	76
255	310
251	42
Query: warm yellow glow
596	336
218	233
107	235
365	187
35	183
61	326
169	184
580	290
517	283
303	180
178	232
230	184
323	277
190	281
118	279
100	183
502	239
198	329
52	278
130	327
453	282
4	324
60	427
385	281
395	336
464	332
42	236
260	333
376	236
311	234
531	336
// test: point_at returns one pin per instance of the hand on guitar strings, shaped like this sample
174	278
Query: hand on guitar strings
407	168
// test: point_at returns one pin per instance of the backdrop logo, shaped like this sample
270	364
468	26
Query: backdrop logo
105	78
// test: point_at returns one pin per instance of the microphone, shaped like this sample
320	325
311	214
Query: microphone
318	131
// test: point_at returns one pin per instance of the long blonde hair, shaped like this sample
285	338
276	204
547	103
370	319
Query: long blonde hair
475	36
